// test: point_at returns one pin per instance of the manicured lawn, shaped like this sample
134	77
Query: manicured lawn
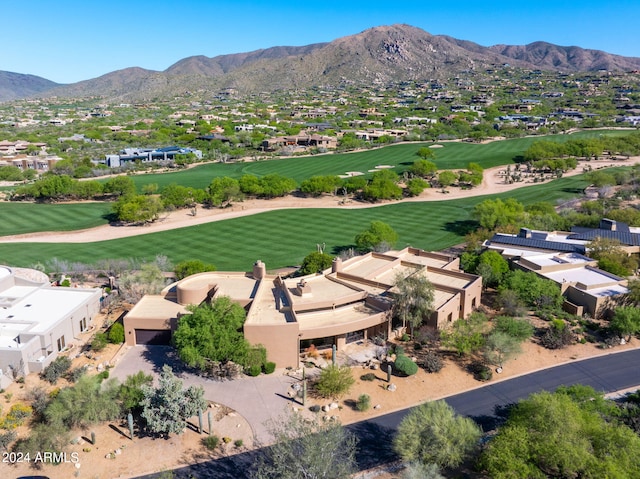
283	238
453	155
20	218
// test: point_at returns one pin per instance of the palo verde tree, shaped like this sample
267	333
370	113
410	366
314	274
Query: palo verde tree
306	448
413	299
433	434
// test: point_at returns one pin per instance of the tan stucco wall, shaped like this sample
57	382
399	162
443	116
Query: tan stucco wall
281	342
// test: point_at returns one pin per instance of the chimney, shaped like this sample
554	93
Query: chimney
259	270
524	233
336	266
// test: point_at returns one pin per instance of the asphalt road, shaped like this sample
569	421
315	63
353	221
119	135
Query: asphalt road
609	373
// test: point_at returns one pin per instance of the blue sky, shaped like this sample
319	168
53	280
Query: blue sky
72	40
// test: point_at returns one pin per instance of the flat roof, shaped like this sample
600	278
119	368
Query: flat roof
322	289
156	306
44	307
446	278
608	291
263	308
332	317
234	285
420	260
367	266
585	276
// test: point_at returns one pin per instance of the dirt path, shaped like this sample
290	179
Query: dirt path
492	183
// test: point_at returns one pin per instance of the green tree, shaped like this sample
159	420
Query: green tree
518	328
500	347
120	186
193	266
553	435
432	433
315	262
383	186
413	301
533	290
317	185
447	178
131	393
306	449
423	168
137	209
492	214
466	336
224	190
212	332
378	236
87	402
425	153
415	186
274	185
167	407
492	267
626	321
334	381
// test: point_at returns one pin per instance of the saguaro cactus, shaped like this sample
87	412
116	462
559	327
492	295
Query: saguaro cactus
130	421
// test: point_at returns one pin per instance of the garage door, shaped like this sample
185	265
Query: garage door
153	336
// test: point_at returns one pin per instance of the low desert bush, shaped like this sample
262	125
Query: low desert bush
368	377
210	442
432	362
269	367
56	369
405	366
363	403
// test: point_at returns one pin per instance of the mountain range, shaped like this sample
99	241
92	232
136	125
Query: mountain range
378	55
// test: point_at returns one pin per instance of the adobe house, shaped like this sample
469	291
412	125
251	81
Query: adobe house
349	302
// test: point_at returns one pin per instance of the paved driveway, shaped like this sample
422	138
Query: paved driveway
257	399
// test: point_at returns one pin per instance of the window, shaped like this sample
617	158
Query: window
450	317
473	303
83	324
61	343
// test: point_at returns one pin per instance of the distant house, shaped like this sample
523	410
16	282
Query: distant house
147	155
563	258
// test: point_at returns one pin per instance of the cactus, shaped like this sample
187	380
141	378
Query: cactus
210	422
199	421
389	373
130	421
333	355
304	392
93	438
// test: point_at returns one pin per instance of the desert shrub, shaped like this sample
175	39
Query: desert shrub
334	381
56	369
432	362
315	408
99	342
269	367
405	366
405	337
363	403
557	336
38	398
238	443
254	370
256	356
368	377
116	333
6	438
517	328
398	350
16	416
480	371
103	375
76	373
226	439
210	442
